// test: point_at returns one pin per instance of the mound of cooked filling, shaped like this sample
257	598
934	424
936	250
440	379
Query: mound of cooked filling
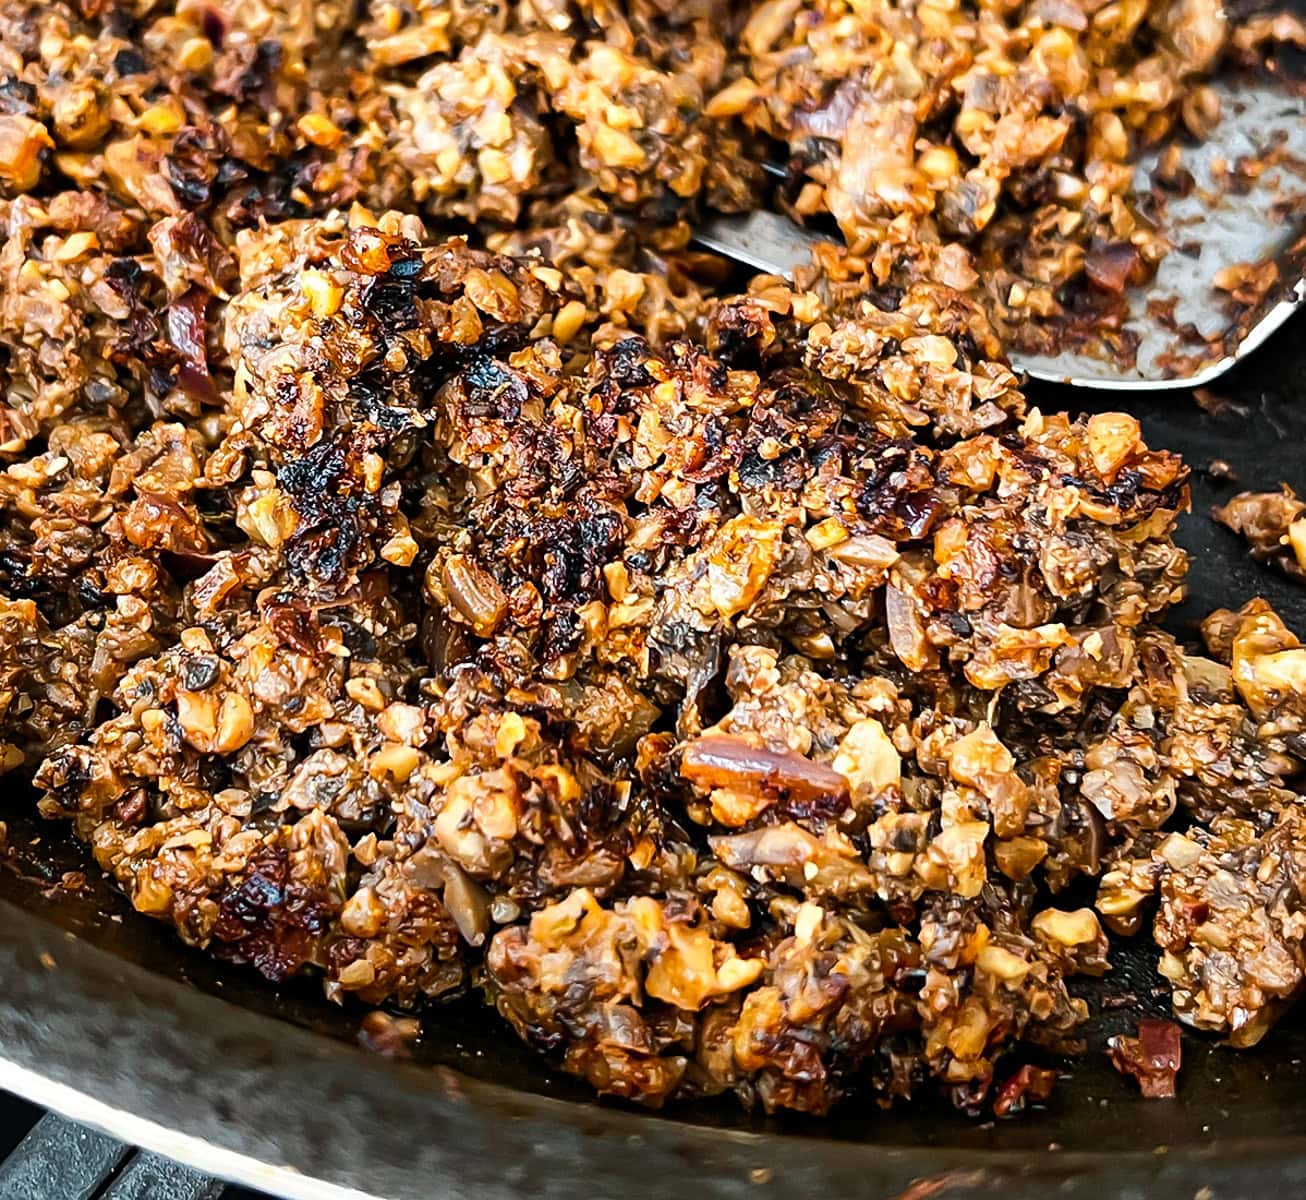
418	568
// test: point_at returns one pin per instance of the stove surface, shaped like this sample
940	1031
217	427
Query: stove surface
44	1156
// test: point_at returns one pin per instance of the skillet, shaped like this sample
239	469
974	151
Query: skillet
105	1017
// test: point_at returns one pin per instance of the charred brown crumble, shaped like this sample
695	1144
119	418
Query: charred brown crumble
420	570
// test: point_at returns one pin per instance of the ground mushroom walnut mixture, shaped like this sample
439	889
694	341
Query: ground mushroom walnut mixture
731	685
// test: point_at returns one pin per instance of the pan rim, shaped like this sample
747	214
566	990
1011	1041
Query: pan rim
51	1052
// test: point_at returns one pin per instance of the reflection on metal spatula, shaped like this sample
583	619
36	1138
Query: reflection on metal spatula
1238	228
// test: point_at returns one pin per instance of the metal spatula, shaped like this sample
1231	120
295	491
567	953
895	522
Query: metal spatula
1266	222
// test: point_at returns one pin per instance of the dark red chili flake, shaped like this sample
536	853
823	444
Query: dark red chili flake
1028	1083
1153	1057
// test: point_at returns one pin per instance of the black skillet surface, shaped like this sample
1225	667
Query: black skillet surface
93	997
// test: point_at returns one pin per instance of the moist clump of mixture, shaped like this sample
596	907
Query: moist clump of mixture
420	568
